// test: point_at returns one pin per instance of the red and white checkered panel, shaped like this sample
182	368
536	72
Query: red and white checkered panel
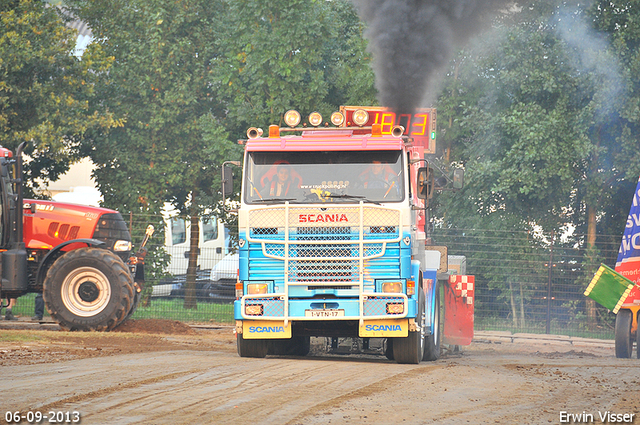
464	286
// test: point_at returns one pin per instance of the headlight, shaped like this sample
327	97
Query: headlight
253	310
122	246
394	287
394	308
257	288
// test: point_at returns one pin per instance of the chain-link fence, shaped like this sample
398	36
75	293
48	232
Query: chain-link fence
524	282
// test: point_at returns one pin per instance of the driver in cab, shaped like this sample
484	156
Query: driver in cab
379	176
282	184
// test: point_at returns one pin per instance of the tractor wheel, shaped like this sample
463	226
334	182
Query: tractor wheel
432	342
257	348
411	348
88	289
134	305
624	343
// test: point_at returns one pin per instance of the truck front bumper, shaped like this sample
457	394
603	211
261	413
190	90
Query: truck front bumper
377	315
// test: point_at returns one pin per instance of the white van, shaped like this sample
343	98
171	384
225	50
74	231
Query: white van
213	246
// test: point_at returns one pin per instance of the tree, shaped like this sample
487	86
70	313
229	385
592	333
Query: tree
44	89
186	74
291	54
539	121
545	116
172	143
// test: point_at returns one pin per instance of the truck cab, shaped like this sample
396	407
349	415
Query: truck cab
331	237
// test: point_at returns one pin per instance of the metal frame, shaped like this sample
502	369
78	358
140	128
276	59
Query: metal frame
362	295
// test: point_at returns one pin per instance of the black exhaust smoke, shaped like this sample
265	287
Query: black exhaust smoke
411	40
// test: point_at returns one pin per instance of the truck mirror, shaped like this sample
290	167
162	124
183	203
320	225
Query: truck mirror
227	181
458	178
424	178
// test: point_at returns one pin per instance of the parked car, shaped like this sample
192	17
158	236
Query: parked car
217	285
222	286
173	286
226	270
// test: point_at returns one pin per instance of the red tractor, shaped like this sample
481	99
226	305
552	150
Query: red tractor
78	257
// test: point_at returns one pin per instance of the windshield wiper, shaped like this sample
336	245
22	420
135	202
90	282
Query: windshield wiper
364	198
274	199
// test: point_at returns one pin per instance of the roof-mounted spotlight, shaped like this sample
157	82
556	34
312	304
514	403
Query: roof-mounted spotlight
315	119
360	117
337	119
292	118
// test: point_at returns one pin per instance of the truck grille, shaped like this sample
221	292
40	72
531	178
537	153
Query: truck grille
309	258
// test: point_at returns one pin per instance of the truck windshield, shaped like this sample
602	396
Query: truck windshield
313	177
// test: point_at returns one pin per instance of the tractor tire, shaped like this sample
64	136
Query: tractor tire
432	342
134	305
88	289
256	348
410	349
624	343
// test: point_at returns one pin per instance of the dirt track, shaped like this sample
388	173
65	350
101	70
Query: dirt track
179	375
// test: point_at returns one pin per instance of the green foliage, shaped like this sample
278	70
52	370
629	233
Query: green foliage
44	89
539	116
291	54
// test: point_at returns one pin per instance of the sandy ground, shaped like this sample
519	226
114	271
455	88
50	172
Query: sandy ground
164	372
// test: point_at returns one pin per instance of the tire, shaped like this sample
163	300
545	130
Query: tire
388	350
302	345
409	350
134	305
88	289
624	344
256	348
432	342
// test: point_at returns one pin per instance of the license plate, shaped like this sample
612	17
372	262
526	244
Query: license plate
324	313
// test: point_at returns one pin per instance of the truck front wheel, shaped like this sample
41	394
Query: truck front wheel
88	289
432	342
252	347
411	348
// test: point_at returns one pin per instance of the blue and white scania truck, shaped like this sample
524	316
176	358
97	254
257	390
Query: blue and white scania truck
331	234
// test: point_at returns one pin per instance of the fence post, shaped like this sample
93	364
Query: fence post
549	283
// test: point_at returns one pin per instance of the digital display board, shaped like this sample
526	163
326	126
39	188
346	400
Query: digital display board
421	125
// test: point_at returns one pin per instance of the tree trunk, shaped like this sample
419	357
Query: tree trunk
190	300
521	306
591	244
514	310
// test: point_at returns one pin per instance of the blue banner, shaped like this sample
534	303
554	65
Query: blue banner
628	263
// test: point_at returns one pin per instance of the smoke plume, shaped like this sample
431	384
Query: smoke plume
411	40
